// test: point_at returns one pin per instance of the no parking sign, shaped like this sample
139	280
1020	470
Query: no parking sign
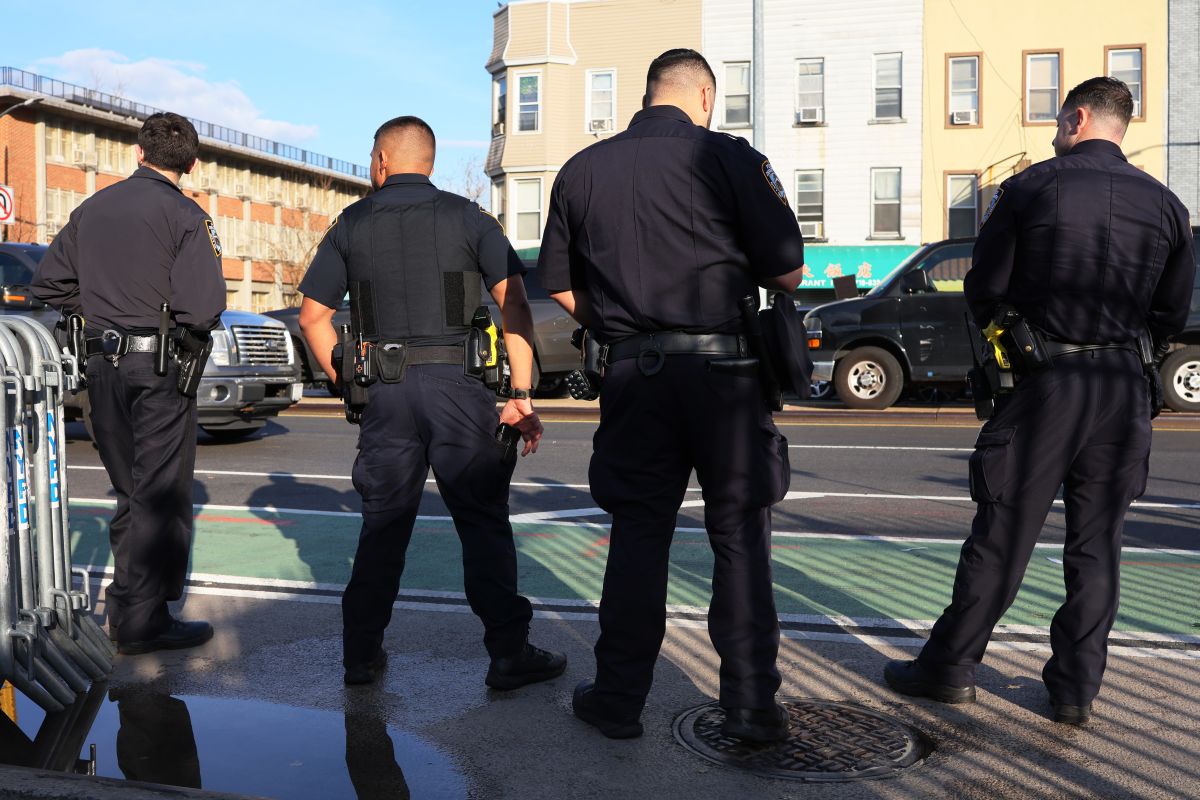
7	205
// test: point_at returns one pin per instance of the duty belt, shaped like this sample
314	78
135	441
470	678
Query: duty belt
651	349
116	344
426	354
1058	349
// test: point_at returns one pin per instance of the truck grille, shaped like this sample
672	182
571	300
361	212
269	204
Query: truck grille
261	346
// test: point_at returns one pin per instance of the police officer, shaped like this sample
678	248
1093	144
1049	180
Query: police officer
652	238
125	251
1092	252
412	258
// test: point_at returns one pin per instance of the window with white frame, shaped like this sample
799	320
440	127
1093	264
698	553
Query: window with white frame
810	202
962	205
529	103
737	94
885	202
529	209
1041	86
810	90
1125	64
888	85
497	204
963	76
601	101
500	86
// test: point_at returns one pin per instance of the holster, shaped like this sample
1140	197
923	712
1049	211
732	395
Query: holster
1148	354
191	356
354	395
584	383
391	361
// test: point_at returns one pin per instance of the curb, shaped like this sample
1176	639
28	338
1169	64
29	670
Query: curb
21	783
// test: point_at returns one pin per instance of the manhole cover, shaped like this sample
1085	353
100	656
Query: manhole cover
826	742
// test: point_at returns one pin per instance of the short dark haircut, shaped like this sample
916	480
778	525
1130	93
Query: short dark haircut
404	125
169	142
667	66
1104	97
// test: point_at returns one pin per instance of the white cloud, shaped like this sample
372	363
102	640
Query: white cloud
173	86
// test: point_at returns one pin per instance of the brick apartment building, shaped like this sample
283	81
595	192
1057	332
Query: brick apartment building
271	202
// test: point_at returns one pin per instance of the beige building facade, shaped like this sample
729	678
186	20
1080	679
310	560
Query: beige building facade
994	83
565	74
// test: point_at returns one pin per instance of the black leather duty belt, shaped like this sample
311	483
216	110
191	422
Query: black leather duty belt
114	343
426	354
651	349
1059	349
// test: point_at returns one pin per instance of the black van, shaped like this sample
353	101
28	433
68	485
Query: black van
909	332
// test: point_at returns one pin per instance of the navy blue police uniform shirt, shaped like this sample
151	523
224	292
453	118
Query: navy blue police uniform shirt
327	279
665	226
128	248
1089	248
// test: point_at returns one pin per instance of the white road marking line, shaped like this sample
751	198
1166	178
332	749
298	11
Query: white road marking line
879	447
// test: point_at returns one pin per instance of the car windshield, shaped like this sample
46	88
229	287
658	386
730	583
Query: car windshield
901	268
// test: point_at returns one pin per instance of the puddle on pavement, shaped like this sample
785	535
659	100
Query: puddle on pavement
244	746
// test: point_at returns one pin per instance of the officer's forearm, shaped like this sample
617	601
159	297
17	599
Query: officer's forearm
576	305
518	340
316	322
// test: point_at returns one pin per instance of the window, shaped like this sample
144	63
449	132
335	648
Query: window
1043	77
962	205
737	94
501	89
601	101
1125	63
529	103
497	204
13	272
529	209
810	90
962	90
885	202
947	266
810	202
888	69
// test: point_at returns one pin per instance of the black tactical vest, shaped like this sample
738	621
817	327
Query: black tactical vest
413	274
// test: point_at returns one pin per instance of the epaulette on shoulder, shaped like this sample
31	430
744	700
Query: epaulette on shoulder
739	139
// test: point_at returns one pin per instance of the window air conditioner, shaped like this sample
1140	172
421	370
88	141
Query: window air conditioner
239	189
600	125
79	158
52	229
963	118
812	230
205	182
498	129
809	115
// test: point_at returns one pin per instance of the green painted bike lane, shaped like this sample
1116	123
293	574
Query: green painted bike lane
858	578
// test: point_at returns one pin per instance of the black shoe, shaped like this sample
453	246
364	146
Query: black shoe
179	635
1071	715
530	665
909	677
589	709
360	674
756	724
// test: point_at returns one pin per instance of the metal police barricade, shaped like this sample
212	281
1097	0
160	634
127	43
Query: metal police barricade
52	645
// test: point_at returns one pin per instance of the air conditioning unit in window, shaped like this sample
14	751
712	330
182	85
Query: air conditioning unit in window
82	158
963	118
204	182
52	229
812	230
242	251
274	197
809	115
498	129
239	189
600	126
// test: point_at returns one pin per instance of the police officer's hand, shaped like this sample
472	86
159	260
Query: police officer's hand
520	414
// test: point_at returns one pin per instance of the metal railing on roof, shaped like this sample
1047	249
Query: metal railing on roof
103	101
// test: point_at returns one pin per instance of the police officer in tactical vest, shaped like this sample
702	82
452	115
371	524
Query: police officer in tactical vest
1078	258
413	258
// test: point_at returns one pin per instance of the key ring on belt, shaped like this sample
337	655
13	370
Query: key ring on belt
654	351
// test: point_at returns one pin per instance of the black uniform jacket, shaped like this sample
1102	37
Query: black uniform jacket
1089	248
666	225
128	248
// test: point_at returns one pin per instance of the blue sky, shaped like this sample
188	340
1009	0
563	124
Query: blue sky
314	73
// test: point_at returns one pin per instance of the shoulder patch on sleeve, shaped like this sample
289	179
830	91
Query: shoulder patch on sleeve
213	239
487	213
773	181
992	206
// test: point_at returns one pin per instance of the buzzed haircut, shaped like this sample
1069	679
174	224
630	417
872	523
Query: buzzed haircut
680	66
407	124
1104	97
169	142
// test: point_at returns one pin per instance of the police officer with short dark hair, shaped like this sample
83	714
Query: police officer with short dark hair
125	251
652	238
412	258
1091	252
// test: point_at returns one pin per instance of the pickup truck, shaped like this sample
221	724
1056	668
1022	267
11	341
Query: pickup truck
909	333
252	374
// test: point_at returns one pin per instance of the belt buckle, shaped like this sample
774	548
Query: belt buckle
110	343
654	351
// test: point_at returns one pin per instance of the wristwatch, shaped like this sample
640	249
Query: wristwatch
519	394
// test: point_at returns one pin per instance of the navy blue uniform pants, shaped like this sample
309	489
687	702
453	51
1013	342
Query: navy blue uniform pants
654	430
1083	426
146	433
436	417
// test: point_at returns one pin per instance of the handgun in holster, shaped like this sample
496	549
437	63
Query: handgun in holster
756	342
584	383
986	378
484	356
352	361
192	349
1151	356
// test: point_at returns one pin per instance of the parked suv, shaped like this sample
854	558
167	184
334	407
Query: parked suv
909	332
251	376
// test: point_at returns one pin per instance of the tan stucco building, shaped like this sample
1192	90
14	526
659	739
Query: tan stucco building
566	73
995	76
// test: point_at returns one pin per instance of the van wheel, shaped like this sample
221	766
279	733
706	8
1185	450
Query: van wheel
1181	379
869	377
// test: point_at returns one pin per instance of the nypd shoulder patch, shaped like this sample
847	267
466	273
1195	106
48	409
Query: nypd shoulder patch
992	205
773	181
213	239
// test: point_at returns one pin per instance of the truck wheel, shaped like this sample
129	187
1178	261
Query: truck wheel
869	377
1181	379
